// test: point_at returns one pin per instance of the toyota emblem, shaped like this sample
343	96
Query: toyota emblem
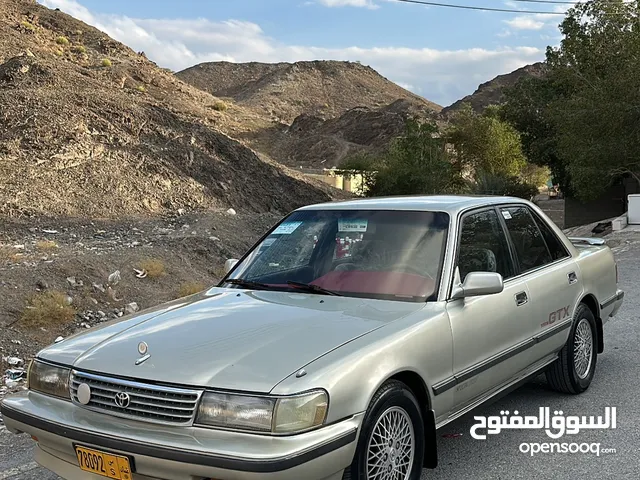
123	400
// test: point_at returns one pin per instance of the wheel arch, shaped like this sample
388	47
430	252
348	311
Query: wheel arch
592	303
418	386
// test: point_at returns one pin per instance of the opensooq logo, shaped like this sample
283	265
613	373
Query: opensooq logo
555	426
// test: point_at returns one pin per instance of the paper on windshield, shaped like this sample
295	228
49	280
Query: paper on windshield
286	228
349	225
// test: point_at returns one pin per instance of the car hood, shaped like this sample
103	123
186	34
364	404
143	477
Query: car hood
226	338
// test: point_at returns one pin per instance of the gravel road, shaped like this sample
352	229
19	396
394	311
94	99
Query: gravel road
499	456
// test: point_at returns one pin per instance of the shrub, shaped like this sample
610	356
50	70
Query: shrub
106	62
189	288
62	40
153	266
80	49
220	106
59	53
28	26
48	308
141	88
46	245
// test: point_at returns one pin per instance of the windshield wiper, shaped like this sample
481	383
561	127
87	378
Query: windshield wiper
248	284
312	288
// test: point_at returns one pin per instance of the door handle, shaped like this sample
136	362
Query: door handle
573	278
521	298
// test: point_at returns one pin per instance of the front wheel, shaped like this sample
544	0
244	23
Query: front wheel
391	443
576	365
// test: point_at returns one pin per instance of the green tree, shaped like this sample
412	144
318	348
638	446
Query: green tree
485	143
581	120
415	163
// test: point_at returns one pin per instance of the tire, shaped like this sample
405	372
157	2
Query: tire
569	374
394	401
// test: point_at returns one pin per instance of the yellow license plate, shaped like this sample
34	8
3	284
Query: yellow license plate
105	464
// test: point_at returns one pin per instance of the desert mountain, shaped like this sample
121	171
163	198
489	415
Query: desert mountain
313	142
491	92
324	89
92	128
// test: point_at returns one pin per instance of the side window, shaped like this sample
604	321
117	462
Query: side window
483	245
556	247
529	244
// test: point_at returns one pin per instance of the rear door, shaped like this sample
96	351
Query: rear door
550	274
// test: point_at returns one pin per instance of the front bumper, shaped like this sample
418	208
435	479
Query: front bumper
177	453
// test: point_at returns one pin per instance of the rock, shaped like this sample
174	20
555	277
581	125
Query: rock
181	211
14	361
85	325
131	308
215	239
231	211
99	287
46	230
58	339
75	283
102	314
42	285
114	278
16	342
69	300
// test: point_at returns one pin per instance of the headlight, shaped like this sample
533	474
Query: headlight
48	379
264	414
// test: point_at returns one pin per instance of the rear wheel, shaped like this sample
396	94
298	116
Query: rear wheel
576	365
391	443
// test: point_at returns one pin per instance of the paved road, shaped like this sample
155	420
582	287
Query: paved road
498	457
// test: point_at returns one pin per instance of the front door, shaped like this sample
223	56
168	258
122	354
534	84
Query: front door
491	333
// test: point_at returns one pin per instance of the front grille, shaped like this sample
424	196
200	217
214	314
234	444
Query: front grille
151	403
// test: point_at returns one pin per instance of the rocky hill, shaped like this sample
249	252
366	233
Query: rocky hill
313	142
491	92
92	128
324	89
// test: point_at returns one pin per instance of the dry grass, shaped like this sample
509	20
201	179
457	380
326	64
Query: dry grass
28	26
59	53
46	245
106	62
189	288
153	266
62	40
8	254
48	308
220	106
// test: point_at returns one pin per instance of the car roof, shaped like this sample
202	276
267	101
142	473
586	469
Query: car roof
451	204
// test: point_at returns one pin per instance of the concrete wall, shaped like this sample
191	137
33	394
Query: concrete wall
349	184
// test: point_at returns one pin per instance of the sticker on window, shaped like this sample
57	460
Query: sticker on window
286	228
506	214
352	225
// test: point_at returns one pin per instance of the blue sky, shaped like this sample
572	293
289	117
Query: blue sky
439	53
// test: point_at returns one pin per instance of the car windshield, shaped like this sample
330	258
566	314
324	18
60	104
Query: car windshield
395	255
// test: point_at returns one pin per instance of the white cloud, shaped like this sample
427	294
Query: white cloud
442	76
525	23
348	3
536	21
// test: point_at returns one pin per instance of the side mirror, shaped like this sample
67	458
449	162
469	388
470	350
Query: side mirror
229	264
479	283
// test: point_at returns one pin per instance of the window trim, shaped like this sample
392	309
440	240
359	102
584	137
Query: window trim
535	216
519	274
456	256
